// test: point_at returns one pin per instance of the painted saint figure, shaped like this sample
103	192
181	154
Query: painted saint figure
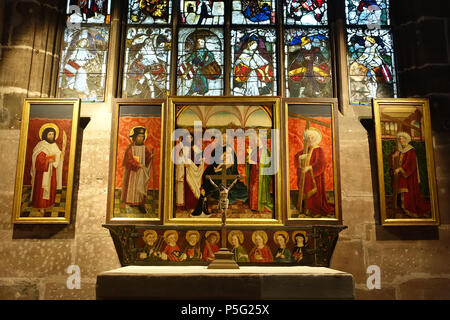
211	246
259	184
260	252
299	252
236	238
172	251
405	178
192	250
283	254
46	168
311	175
150	251
137	162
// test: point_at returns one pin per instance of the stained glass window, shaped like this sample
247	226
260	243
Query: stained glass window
308	63
88	11
85	50
305	12
371	66
202	12
149	11
200	66
370	13
253	62
147	62
253	12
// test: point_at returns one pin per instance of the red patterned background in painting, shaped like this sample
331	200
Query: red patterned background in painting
295	131
33	139
153	126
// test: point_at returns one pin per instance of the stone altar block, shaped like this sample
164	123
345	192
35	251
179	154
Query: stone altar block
246	283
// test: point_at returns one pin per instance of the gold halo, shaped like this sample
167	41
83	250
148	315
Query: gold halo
263	235
49	125
132	129
283	233
212	232
147	232
188	234
237	233
168	232
294	234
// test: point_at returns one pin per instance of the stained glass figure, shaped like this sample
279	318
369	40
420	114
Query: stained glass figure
253	12
254	62
305	12
149	11
147	62
88	11
200	62
308	63
199	12
371	65
372	13
83	63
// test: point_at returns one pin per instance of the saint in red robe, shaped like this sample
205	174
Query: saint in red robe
412	201
314	189
208	252
173	252
261	254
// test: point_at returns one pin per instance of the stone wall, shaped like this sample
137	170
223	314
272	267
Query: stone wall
414	262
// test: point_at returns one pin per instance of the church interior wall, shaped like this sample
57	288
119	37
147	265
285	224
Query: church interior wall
414	261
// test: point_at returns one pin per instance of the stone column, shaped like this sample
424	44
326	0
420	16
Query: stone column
29	49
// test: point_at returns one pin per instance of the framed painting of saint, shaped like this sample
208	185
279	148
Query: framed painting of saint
46	159
223	145
312	164
134	191
406	171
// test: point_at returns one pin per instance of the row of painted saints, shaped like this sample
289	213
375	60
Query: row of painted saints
166	247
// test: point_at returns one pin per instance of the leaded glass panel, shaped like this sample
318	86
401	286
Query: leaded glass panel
371	64
253	12
209	12
88	11
83	63
149	11
254	65
371	13
147	62
200	62
305	12
308	63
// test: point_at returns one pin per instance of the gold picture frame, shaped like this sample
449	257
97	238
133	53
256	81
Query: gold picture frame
320	202
170	204
126	202
46	161
406	170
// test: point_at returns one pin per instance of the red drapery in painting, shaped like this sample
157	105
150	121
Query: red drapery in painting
153	141
295	140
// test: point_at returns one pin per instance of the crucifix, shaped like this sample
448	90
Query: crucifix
223	258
